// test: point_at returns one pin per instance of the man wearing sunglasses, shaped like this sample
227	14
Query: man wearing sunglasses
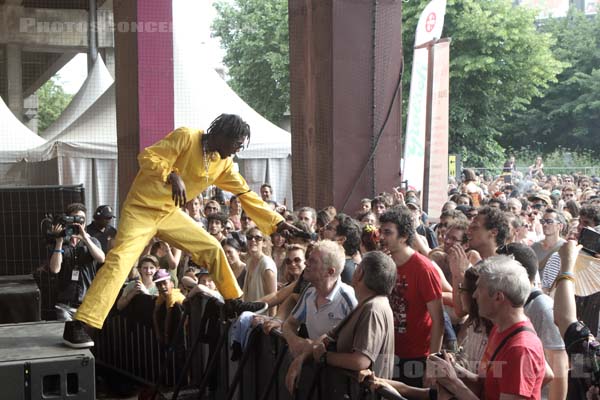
179	166
553	223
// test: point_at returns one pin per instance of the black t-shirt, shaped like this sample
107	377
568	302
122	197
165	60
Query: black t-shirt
103	237
301	284
72	285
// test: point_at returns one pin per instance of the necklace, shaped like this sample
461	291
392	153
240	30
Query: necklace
205	157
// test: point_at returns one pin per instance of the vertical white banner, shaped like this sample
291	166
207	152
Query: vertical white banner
431	23
437	192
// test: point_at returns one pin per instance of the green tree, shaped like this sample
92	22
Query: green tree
255	36
52	101
568	113
498	63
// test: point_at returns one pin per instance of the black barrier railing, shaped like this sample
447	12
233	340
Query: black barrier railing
203	361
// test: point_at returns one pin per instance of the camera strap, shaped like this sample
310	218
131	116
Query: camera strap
505	340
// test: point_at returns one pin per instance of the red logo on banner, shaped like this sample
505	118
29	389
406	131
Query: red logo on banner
430	22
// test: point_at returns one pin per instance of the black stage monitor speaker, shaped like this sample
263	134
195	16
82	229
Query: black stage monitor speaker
35	364
19	299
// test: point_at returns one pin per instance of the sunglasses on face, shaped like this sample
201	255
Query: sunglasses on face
296	260
251	238
537	206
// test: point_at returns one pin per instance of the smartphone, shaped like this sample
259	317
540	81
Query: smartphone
590	240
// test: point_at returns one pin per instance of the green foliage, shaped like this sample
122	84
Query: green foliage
52	101
568	112
255	36
498	63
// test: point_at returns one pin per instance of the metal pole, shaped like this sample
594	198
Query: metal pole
92	33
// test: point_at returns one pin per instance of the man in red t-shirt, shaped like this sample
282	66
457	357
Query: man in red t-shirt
513	365
416	300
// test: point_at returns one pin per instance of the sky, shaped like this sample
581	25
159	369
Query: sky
72	75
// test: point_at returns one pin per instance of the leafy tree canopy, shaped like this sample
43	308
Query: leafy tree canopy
52	100
498	63
568	113
255	36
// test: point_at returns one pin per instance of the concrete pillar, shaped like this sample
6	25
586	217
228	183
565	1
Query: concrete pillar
109	60
14	76
144	81
345	63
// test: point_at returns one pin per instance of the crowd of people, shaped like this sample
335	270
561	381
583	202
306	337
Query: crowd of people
476	300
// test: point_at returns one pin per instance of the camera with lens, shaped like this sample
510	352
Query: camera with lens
67	222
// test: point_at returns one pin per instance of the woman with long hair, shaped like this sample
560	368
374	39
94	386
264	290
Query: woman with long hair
232	249
147	267
235	212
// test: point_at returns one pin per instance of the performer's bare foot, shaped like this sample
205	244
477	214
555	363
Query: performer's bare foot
76	336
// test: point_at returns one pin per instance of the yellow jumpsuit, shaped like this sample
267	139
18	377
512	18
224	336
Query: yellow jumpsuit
149	210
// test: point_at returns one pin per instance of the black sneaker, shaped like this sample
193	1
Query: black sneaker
75	335
235	307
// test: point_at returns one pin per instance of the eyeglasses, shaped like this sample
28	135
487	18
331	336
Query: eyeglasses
296	260
257	238
547	221
239	145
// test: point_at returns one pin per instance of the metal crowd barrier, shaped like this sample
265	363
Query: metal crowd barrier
128	345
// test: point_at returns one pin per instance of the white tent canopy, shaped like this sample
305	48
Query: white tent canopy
84	152
14	136
201	95
96	83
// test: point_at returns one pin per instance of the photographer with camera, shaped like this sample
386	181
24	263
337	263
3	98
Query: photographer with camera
75	258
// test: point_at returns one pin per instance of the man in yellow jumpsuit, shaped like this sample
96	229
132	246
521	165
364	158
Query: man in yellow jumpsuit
185	162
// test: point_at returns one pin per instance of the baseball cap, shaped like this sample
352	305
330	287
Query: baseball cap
161	275
541	196
413	202
104	211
